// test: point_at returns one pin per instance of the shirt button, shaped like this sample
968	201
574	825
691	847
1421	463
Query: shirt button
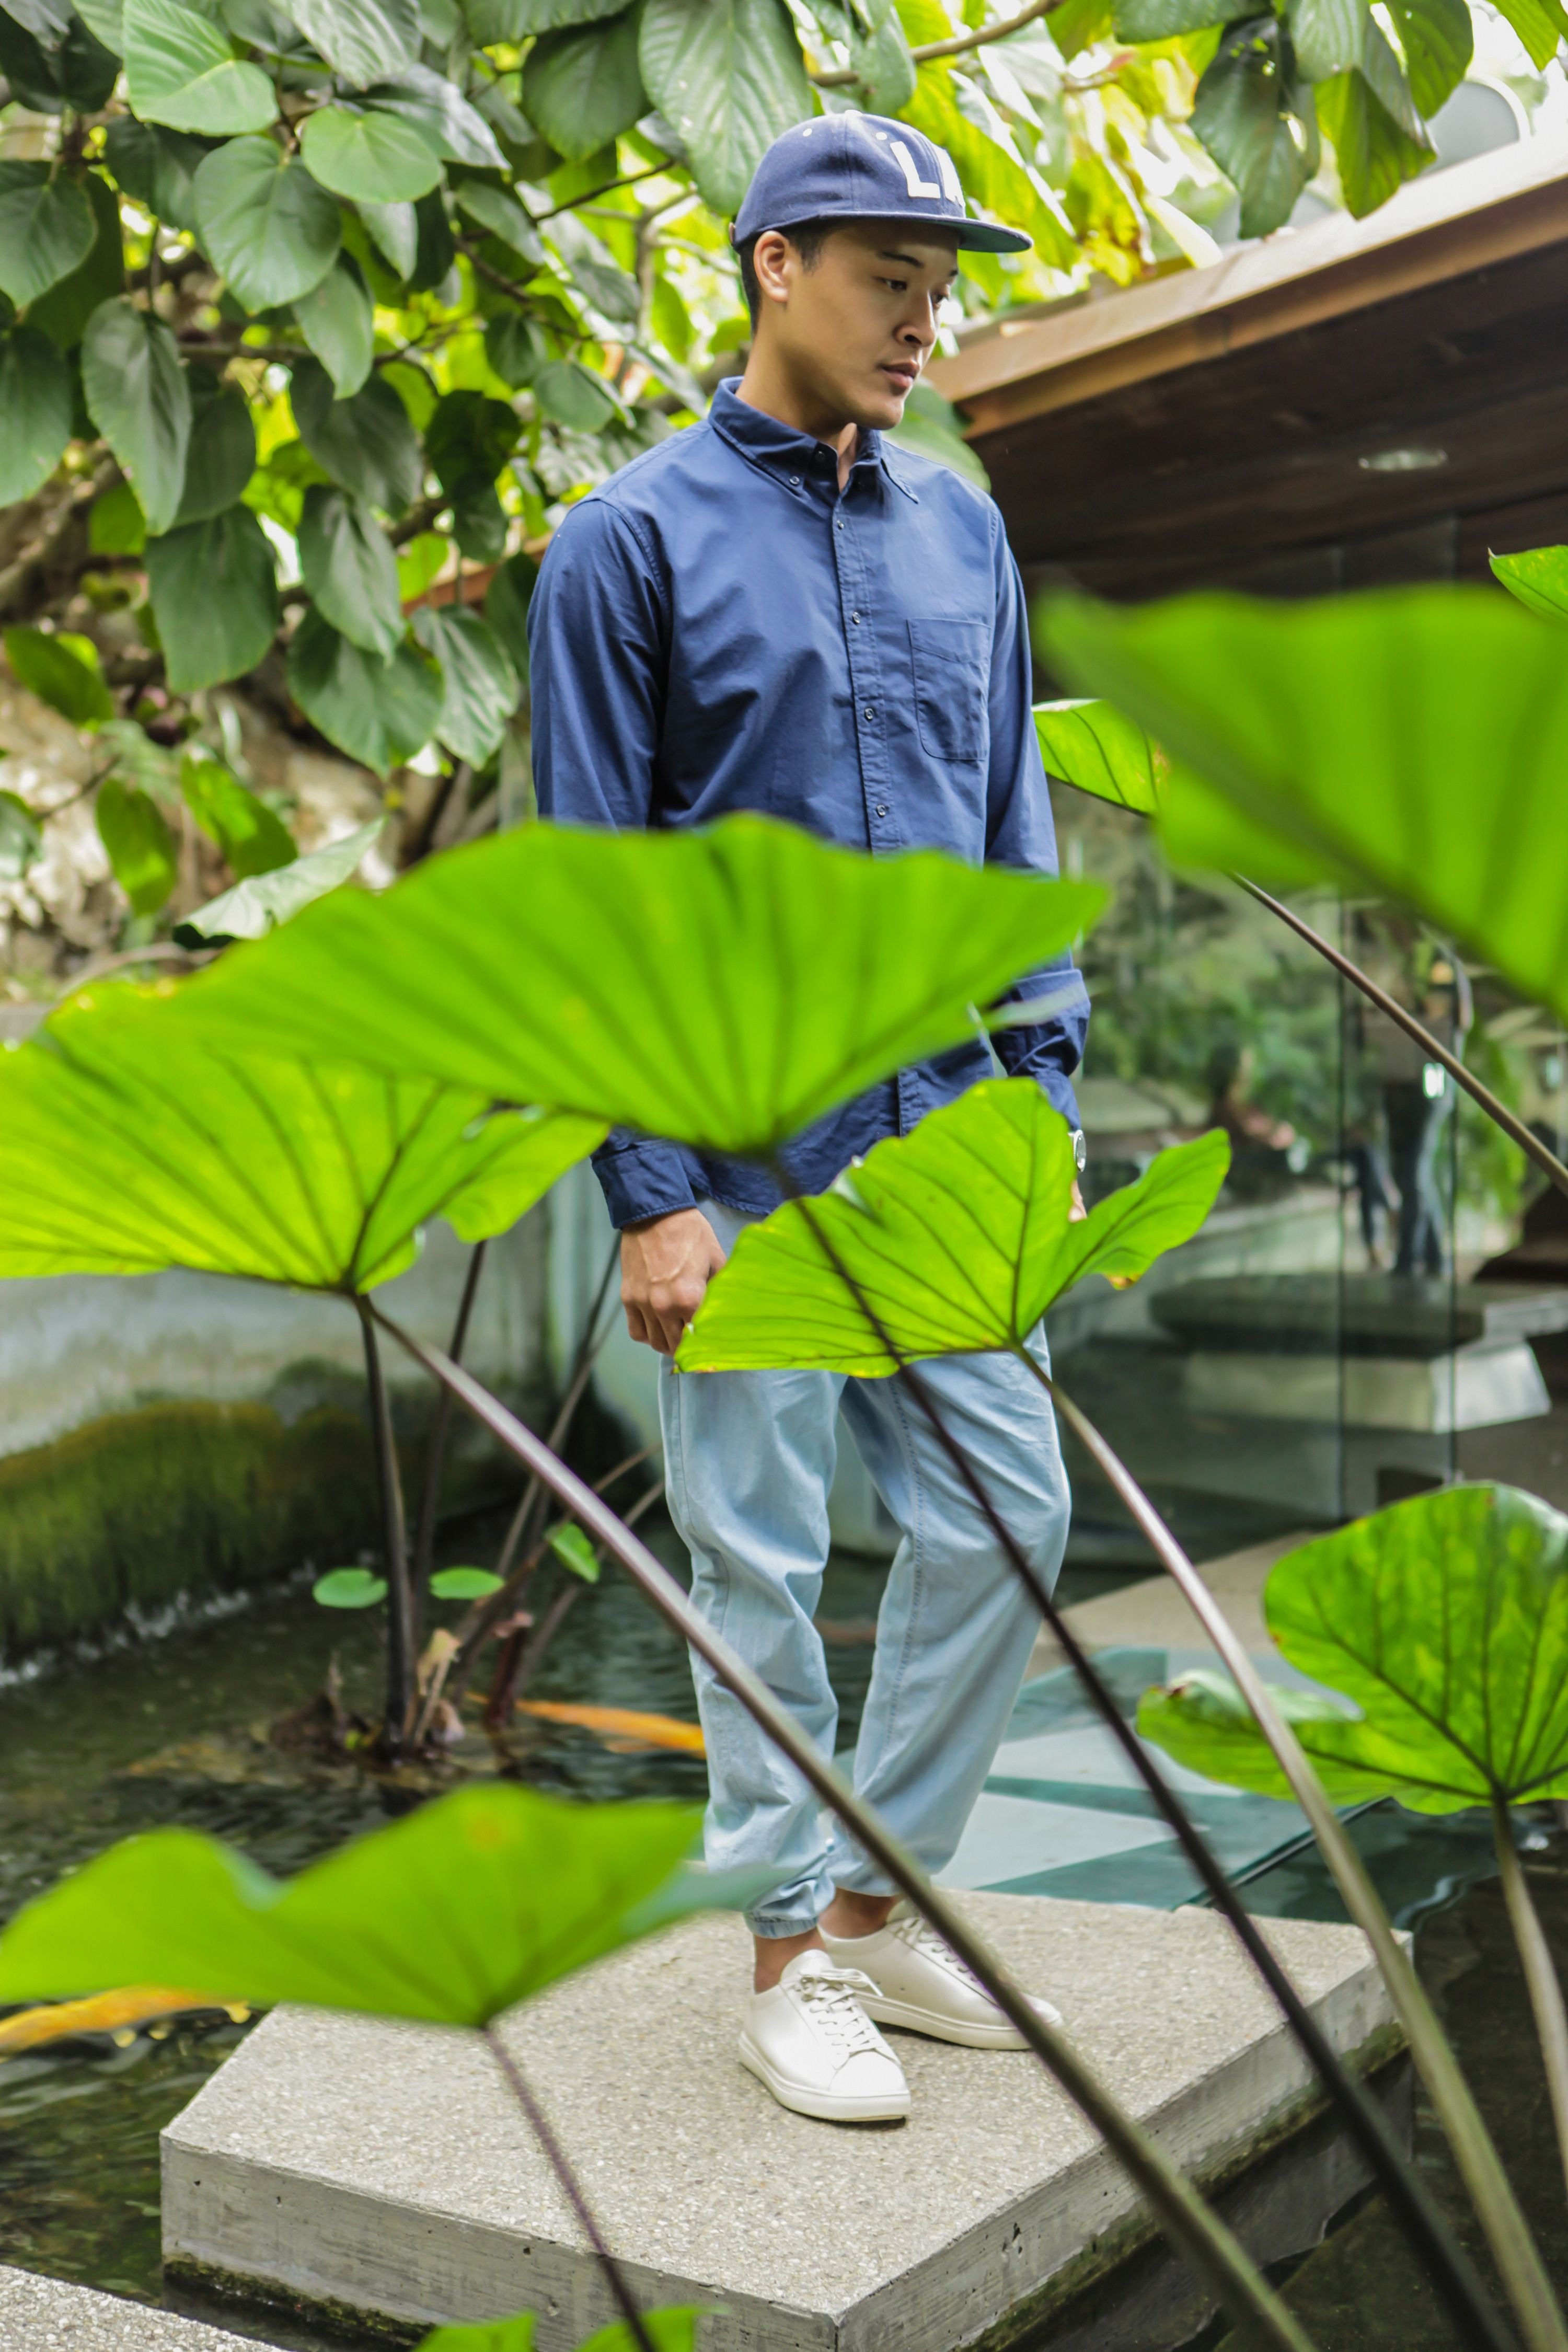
868	712
794	481
838	526
882	808
856	618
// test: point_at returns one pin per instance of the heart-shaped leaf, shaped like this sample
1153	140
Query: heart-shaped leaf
361	40
265	222
723	988
957	1236
126	1146
1345	737
1444	1623
365	443
574	396
141	851
62	672
338	322
583	85
1090	746
349	1588
221	457
349	568
139	396
728	77
380	712
46	229
373	158
394	231
214	587
157	166
499	211
180	68
63	311
35	401
439	110
478	686
452	1914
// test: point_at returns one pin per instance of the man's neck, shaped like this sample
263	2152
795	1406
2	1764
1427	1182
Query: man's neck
769	389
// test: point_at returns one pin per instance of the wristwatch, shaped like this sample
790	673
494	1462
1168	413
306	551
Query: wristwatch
1079	1149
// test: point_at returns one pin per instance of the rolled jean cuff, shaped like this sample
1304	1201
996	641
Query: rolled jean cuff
770	1925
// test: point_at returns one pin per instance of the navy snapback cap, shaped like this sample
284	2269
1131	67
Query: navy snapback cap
863	167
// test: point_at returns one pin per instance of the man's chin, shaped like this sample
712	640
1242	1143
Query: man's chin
882	408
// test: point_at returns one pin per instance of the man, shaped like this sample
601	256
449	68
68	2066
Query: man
773	610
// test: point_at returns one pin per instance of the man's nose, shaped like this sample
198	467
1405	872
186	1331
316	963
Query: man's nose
920	326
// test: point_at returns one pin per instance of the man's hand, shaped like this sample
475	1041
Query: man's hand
1077	1212
665	1266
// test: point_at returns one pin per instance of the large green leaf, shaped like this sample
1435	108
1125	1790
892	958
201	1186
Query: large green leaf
1091	745
265	222
221	457
35	401
1255	120
514	20
394	231
253	906
365	443
46	230
361	40
1357	733
337	322
1438	38
127	1145
957	1236
378	712
157	166
1540	24
1166	20
479	688
253	839
1327	35
1539	578
470	438
62	672
438	108
1444	1623
1380	140
723	988
1204	1723
500	212
452	1914
141	851
138	396
350	570
992	174
375	158
573	395
583	85
215	598
728	74
63	311
180	68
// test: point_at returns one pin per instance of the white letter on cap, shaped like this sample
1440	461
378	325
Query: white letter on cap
913	180
950	187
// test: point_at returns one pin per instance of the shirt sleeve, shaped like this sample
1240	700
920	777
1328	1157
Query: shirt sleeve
1020	831
597	645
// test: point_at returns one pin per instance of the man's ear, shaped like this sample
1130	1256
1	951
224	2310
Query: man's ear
773	259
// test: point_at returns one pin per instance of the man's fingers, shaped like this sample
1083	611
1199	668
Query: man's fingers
634	1324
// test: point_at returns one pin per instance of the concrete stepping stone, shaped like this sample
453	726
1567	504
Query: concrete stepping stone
382	2169
46	2314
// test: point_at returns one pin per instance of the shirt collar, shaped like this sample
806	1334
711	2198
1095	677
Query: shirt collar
778	449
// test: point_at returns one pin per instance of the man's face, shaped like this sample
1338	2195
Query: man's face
854	330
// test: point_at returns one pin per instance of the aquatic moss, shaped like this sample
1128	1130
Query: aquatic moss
187	1497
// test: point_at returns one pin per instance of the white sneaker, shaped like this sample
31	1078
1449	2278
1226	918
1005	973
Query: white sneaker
811	2041
923	1985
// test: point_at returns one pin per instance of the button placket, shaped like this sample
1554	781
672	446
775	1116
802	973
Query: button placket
866	685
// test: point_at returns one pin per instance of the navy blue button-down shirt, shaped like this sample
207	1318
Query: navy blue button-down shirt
720	627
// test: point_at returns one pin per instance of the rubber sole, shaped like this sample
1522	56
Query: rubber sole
821	2105
882	2012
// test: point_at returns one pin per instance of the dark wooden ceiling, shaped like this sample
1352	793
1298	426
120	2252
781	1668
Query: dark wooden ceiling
1246	463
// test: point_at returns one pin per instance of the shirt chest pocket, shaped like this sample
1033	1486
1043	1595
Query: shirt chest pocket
952	661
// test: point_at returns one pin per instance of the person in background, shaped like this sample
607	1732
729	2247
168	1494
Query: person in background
777	610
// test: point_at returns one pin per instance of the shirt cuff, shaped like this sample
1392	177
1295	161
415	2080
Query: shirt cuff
642	1178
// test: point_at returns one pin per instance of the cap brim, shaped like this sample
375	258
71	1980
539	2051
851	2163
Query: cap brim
989	236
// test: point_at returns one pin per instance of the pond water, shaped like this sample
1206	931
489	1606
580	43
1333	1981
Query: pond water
173	1730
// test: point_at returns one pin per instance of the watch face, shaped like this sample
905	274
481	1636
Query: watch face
1080	1150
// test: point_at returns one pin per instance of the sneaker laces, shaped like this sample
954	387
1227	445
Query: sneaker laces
831	1999
920	1937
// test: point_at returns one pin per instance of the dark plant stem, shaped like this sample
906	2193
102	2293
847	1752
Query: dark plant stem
1479	2321
1477	2157
1203	2237
436	1461
1541	1976
1499	1112
572	2188
394	1544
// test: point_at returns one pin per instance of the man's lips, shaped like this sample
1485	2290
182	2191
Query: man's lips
903	376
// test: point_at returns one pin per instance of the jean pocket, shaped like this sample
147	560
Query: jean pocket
951	662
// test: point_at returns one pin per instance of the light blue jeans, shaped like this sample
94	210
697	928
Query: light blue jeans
749	1459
